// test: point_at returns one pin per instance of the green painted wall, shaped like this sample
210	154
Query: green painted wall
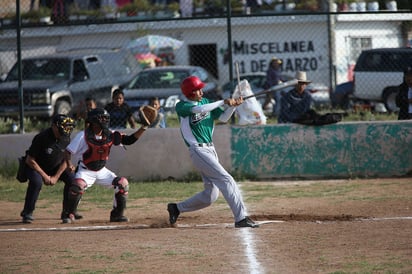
373	149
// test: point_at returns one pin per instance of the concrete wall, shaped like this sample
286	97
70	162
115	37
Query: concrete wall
158	154
343	150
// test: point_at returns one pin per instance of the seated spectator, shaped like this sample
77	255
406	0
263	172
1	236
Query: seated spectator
120	112
295	102
295	106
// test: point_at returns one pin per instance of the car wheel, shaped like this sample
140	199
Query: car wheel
62	107
389	99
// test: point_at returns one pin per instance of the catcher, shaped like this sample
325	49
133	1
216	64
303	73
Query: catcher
92	146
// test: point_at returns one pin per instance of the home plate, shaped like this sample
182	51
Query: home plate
223	224
268	222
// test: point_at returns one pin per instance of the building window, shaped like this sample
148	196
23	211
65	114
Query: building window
357	45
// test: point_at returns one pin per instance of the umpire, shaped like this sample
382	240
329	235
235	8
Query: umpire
45	162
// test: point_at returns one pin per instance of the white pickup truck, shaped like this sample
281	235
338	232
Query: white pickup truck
59	82
379	72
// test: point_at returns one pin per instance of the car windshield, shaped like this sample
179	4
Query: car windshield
158	79
42	69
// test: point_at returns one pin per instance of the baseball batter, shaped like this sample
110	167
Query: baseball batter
197	116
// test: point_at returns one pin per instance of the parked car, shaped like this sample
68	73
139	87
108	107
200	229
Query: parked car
319	91
164	83
57	83
379	72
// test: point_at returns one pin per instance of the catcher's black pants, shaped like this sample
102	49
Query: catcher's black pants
34	187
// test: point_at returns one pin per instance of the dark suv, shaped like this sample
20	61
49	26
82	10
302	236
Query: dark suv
59	82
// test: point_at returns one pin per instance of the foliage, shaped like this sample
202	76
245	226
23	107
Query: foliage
35	15
174	7
135	6
311	5
172	121
30	125
142	5
341	2
88	13
235	4
8	168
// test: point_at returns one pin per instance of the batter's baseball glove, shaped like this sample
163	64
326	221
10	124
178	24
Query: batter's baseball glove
147	115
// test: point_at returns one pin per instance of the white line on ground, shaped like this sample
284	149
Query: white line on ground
249	243
386	218
74	228
142	226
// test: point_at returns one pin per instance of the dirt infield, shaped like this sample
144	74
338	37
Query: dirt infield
368	229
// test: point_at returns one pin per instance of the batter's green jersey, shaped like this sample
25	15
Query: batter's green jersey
196	127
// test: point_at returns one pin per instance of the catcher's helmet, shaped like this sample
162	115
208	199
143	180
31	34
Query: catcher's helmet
99	116
191	84
64	124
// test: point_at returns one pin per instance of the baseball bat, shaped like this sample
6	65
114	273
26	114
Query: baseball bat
275	88
237	74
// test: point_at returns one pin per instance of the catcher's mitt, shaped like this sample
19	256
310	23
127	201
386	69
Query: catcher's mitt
147	115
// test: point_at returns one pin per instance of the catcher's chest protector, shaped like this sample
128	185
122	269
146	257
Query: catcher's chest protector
98	153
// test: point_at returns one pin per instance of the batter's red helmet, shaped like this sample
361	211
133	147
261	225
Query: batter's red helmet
191	84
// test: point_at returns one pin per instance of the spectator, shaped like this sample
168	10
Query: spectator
295	106
404	96
160	121
60	11
45	162
88	104
295	102
120	112
253	5
273	78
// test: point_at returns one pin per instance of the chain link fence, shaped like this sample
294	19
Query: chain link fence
57	53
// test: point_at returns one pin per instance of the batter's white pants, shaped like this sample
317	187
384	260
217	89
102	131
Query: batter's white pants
215	178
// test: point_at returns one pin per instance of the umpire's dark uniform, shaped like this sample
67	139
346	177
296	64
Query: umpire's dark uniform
47	149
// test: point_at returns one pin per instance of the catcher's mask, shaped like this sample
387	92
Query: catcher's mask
64	124
190	84
99	116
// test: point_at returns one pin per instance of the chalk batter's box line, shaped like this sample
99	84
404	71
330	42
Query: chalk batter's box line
125	227
117	227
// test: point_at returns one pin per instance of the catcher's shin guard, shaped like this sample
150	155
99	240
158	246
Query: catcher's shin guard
72	199
116	215
121	186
